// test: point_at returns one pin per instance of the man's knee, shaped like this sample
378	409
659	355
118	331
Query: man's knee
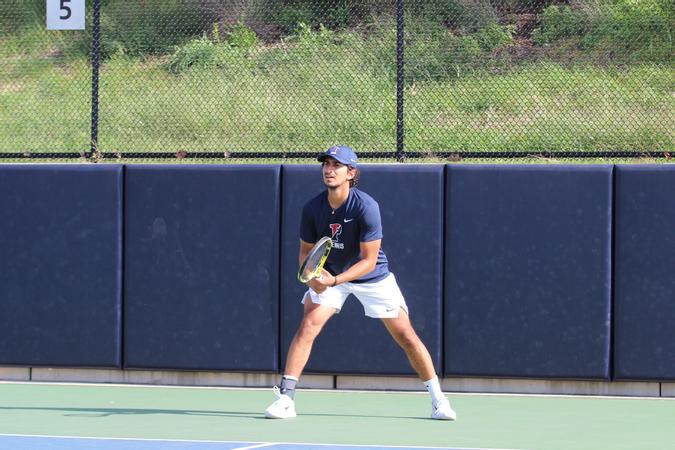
408	339
308	330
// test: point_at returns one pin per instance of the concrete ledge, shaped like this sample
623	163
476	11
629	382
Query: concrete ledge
77	375
267	380
667	389
14	373
180	378
507	386
312	381
564	387
379	383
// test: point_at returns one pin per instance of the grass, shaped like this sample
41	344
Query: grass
546	107
306	96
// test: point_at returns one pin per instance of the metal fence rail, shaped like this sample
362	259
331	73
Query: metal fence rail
245	80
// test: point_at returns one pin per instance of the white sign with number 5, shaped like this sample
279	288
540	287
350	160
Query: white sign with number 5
65	14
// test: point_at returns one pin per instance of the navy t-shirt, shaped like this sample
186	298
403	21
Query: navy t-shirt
357	220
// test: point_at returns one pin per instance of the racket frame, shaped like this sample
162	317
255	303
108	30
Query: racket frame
317	272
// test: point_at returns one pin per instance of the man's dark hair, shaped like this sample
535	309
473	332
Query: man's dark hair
354	181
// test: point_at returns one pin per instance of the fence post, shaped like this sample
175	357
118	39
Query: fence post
95	63
400	150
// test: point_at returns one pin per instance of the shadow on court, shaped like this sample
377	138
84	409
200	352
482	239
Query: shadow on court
367	416
106	412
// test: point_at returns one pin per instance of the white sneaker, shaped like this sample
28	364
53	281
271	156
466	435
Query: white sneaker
283	408
443	411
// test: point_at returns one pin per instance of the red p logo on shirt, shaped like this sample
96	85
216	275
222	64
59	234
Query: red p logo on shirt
336	229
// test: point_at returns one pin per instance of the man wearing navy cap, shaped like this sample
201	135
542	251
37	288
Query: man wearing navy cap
356	265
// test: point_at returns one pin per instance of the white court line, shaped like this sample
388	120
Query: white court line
267	444
251	444
139	385
396	446
103	438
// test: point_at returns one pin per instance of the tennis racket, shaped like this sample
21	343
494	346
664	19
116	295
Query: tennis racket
312	265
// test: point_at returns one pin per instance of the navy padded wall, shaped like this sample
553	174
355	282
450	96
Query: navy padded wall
411	204
644	274
201	267
527	271
60	265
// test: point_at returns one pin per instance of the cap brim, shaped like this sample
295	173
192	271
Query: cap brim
322	157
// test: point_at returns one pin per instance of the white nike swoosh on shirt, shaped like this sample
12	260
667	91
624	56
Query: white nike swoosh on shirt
348	220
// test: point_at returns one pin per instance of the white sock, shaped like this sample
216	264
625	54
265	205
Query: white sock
287	385
434	388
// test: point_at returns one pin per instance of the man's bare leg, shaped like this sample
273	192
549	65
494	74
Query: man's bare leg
314	318
404	334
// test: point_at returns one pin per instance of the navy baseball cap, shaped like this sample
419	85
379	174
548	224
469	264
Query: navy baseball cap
340	153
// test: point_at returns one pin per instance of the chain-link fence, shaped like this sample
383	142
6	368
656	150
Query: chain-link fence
279	80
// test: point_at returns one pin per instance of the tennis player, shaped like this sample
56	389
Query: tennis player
356	265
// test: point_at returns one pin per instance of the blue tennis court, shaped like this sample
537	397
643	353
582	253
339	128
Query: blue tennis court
17	442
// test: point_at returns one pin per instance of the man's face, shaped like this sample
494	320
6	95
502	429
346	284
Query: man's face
335	173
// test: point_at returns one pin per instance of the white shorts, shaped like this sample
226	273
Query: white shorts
380	300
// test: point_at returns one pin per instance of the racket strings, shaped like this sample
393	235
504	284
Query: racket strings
315	260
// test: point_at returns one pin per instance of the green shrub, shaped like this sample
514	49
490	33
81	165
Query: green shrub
336	15
202	53
287	17
629	30
306	37
494	36
465	15
634	29
199	52
433	52
339	16
149	27
558	23
19	15
463	52
242	37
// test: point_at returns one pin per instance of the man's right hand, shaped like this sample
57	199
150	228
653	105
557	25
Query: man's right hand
321	284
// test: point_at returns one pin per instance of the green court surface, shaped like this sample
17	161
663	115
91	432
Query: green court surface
335	417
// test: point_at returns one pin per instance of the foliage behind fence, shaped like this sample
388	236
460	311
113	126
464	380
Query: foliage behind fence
283	79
